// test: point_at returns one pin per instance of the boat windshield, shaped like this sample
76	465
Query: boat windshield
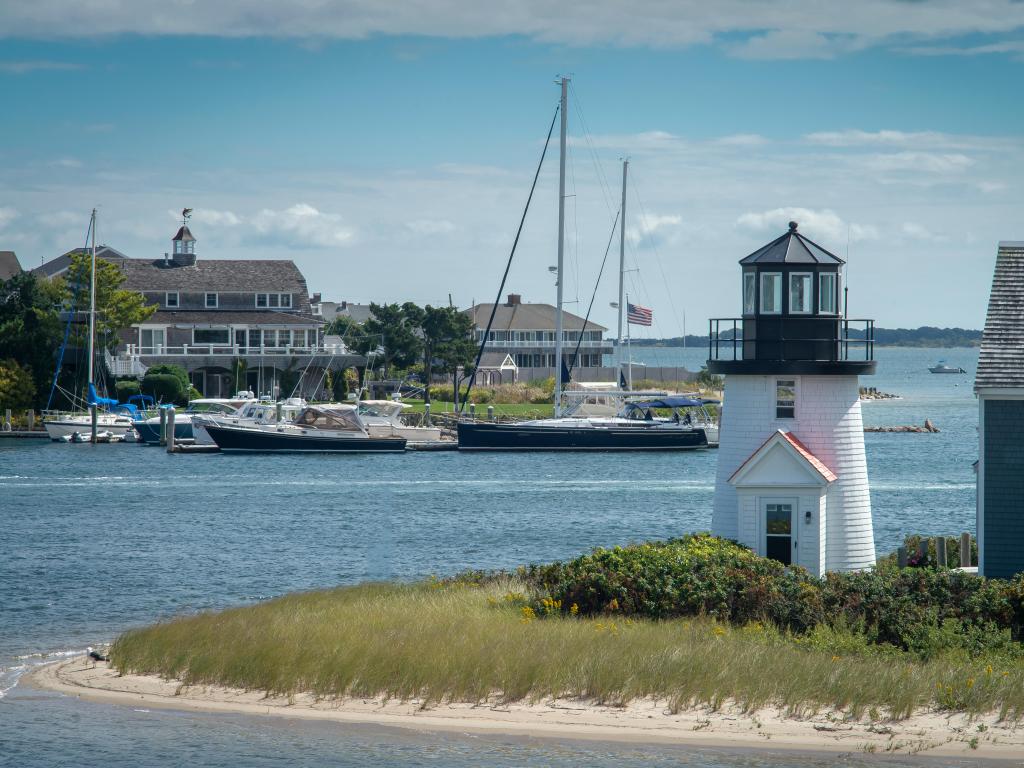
210	408
323	418
382	409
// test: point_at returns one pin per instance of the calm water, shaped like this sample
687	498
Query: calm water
97	539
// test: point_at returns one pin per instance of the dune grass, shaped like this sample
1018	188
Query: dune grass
441	642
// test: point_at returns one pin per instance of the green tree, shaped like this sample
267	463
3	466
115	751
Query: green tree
17	390
395	327
116	308
167	383
30	328
447	344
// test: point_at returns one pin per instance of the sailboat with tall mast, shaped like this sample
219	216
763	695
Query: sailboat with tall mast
63	426
635	429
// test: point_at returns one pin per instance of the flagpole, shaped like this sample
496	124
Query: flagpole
629	349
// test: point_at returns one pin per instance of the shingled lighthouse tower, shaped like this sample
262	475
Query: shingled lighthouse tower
792	479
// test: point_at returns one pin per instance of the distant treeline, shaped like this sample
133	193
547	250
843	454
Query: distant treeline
925	336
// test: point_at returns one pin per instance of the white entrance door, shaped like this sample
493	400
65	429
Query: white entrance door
779	529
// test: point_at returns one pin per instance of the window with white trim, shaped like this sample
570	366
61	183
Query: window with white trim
286	300
171	299
827	293
785	398
749	292
212	300
261	299
801	293
771	293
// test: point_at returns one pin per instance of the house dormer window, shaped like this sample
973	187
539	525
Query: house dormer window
171	300
212	300
286	300
274	300
261	299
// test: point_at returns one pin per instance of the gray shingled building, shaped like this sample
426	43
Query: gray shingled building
526	334
9	265
231	323
999	385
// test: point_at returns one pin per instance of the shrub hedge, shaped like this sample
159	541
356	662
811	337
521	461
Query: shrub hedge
702	575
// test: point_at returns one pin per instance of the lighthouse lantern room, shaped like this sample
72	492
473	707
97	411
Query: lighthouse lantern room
792	479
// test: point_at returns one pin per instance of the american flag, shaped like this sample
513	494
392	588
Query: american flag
637	315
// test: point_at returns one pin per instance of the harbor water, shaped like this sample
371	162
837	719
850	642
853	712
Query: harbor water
96	539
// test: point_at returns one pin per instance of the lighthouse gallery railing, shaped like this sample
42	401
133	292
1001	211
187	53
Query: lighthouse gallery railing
854	339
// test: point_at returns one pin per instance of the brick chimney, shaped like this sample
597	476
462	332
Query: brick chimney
513	299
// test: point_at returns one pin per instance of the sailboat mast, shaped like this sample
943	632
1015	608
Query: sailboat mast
622	267
92	298
561	245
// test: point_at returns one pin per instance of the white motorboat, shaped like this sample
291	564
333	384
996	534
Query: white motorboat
149	429
383	419
252	412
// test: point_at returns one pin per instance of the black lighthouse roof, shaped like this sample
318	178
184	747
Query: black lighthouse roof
791	248
183	235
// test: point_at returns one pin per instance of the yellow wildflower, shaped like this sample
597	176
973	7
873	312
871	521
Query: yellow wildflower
574	610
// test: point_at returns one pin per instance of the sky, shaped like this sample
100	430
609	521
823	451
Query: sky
388	148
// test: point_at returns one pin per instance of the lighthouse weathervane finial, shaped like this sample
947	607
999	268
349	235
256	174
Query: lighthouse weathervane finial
792	226
186	214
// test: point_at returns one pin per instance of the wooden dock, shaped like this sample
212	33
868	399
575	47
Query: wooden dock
29	434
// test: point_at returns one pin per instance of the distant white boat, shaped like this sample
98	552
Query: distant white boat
941	367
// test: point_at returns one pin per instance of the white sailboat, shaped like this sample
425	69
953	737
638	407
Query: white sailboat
63	426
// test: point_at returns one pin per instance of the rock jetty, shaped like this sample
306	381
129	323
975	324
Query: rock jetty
928	427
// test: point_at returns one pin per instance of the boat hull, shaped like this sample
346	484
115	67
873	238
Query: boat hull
149	431
230	440
485	436
58	429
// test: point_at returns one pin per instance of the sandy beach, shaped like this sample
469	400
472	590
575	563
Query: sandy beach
926	734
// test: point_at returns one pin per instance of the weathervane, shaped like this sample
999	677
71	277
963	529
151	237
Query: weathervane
186	214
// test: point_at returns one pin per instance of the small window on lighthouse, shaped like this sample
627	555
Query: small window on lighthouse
800	293
771	293
827	293
749	288
785	399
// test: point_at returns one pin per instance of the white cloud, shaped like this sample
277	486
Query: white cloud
916	231
302	226
819	225
1005	46
750	28
742	140
66	162
212	217
918	162
7	215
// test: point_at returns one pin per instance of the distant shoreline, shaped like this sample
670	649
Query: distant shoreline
648	722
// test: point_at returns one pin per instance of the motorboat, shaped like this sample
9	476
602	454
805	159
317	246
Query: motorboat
149	428
330	428
251	412
941	367
383	419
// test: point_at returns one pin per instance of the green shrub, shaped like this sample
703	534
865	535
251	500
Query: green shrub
164	388
922	610
126	389
17	388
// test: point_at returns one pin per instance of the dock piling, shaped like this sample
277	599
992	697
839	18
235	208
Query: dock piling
472	411
163	426
30	419
170	429
940	551
426	414
92	423
7	420
965	550
490	413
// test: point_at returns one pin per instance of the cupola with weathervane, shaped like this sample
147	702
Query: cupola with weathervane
183	244
792	479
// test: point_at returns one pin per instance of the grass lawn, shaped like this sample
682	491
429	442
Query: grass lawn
454	642
519	410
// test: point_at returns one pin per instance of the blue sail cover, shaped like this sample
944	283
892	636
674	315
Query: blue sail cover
95	399
676	401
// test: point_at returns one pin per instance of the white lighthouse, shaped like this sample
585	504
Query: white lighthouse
792	480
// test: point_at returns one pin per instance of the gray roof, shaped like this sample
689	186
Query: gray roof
1001	359
183	234
792	248
214	317
59	265
226	275
9	265
527	317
